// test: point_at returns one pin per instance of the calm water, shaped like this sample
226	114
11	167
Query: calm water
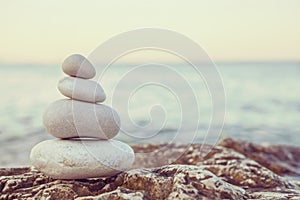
263	105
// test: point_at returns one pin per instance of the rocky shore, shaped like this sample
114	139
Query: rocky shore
231	170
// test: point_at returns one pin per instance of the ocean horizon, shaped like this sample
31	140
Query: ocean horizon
262	105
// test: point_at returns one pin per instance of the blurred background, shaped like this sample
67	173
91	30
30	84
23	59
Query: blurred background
255	45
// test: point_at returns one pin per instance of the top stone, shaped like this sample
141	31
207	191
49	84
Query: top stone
78	66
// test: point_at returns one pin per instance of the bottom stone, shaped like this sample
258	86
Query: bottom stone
79	159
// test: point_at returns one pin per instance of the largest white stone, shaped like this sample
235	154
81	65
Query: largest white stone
68	118
75	159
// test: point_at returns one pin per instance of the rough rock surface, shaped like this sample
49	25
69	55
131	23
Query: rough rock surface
230	170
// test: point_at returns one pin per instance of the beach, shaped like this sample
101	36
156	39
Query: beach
164	100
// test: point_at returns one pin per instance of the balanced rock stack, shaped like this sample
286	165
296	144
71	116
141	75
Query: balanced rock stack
84	128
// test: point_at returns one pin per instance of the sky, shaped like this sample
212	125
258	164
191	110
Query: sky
47	31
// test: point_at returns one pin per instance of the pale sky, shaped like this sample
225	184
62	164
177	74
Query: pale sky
230	30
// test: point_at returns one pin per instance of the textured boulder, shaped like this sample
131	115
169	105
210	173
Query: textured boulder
280	159
230	170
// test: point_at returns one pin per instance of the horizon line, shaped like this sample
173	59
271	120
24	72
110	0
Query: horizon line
235	62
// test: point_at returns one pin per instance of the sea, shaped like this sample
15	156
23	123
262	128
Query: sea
258	102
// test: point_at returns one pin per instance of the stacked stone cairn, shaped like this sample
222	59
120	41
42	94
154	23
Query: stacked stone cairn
84	129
